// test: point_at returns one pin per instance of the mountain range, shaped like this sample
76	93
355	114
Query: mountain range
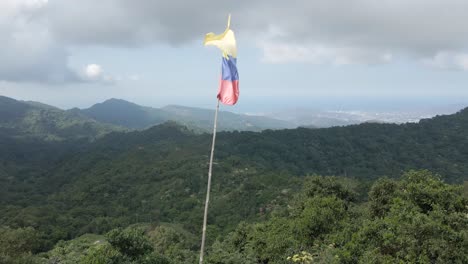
28	118
130	115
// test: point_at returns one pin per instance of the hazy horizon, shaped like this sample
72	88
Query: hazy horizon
434	105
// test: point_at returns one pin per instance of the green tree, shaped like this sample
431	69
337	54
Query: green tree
125	246
17	245
131	242
423	220
381	196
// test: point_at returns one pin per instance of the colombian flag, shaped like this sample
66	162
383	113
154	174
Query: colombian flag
229	86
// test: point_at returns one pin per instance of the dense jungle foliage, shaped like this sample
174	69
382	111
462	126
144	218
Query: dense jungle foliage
137	197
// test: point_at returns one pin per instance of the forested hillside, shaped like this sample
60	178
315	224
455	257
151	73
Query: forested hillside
157	177
36	120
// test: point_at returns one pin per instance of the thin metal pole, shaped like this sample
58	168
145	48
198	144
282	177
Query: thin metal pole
210	168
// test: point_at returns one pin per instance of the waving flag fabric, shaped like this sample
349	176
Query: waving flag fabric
229	86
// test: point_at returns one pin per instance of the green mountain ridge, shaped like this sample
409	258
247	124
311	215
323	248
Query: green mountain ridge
130	115
33	119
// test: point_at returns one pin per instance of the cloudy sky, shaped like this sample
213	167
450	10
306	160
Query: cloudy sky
321	53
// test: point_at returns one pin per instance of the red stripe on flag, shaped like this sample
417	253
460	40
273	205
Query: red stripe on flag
228	92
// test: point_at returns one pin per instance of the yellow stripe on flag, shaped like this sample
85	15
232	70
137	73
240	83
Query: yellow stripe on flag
226	41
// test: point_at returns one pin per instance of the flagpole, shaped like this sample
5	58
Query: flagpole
210	169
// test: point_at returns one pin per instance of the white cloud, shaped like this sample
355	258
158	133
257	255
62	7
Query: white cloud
30	51
398	24
36	34
277	52
93	71
448	60
35	4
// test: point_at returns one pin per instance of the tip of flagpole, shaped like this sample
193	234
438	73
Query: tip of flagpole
229	21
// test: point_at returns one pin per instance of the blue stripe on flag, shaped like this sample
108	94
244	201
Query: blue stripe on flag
229	69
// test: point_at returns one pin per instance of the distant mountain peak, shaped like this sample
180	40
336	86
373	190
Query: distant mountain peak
119	112
110	100
116	101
